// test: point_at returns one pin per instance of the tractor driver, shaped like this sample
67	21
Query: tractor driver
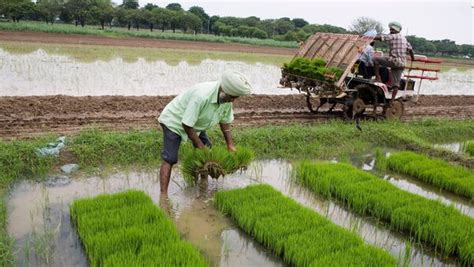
398	48
194	111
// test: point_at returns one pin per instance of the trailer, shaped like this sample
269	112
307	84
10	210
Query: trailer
355	95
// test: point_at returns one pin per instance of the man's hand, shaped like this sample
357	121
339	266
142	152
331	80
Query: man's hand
193	136
225	128
231	148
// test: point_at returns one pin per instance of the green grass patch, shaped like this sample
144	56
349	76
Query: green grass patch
297	234
426	221
144	33
215	162
91	53
127	229
439	173
469	148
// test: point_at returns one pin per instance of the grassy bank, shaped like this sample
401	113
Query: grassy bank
128	229
93	148
143	33
297	234
427	221
91	53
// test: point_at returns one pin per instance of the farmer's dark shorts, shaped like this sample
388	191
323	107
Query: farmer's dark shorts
172	141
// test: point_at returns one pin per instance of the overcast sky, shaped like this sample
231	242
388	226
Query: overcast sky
434	20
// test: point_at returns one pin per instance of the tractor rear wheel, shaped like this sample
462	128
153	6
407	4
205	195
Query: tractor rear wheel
393	111
313	103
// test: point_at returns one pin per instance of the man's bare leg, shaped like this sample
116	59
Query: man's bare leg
377	72
394	94
165	173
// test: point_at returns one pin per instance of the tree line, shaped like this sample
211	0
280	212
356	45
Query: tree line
195	20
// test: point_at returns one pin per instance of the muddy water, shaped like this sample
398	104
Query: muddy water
39	73
39	217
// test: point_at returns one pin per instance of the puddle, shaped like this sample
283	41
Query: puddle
452	147
40	73
219	239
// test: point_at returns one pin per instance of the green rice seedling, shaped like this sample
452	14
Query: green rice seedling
427	221
297	234
439	173
127	229
469	148
312	68
215	162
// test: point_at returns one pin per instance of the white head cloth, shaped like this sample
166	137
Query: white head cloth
235	84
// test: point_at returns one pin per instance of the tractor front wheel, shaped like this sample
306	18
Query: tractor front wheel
393	111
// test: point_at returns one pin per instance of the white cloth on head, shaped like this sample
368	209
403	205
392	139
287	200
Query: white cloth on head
235	84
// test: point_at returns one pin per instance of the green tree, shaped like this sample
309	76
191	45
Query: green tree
282	26
17	9
150	6
364	24
130	4
299	22
49	10
162	18
191	21
203	16
103	12
174	7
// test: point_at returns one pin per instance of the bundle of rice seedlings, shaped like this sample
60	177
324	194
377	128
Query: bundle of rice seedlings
312	68
215	162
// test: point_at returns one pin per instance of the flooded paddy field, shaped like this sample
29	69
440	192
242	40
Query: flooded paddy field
40	224
85	71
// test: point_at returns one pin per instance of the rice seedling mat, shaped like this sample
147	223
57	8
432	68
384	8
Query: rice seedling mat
454	179
427	221
296	233
127	229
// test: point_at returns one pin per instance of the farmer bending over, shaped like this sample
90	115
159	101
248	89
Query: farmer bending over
399	46
194	111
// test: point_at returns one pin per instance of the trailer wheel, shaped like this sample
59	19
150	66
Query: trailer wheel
313	103
395	111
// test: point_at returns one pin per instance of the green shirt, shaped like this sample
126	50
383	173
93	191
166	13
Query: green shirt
197	108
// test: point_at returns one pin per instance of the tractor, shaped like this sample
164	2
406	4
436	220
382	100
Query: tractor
357	96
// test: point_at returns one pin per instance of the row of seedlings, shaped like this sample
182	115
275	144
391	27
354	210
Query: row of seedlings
215	162
297	234
128	229
469	149
427	221
455	179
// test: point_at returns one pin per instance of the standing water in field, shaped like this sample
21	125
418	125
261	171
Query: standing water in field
39	217
39	73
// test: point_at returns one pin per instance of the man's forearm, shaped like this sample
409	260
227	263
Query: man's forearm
192	135
225	128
